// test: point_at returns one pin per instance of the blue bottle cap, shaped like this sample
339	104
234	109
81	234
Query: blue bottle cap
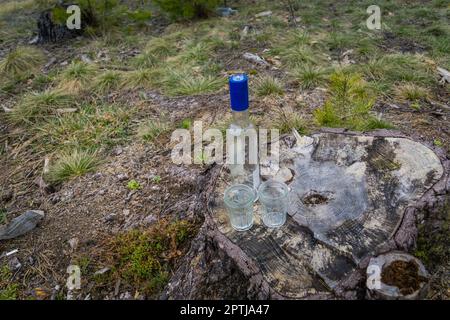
239	92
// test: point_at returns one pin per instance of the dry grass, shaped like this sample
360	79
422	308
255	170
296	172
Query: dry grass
36	106
76	77
21	62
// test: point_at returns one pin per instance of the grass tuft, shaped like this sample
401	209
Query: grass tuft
76	77
160	47
297	55
309	77
411	92
152	129
107	81
182	83
288	119
269	86
72	165
91	126
39	105
138	79
145	59
21	62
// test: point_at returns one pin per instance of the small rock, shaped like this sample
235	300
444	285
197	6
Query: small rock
149	220
444	74
85	58
6	109
117	151
102	271
125	296
48	64
54	198
255	59
64	63
34	40
225	11
21	224
263	14
14	264
122	177
244	32
111	217
73	243
284	175
97	176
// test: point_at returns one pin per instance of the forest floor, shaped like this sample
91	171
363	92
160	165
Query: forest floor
85	136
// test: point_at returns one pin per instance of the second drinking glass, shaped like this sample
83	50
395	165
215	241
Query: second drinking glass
273	196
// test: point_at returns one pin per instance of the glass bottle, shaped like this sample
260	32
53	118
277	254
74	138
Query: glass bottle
242	138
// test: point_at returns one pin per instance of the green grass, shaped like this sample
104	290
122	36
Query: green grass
76	77
186	124
8	289
411	92
133	185
298	38
160	47
268	86
438	143
196	53
150	130
339	41
298	55
139	79
146	59
37	106
183	83
107	81
94	125
286	120
309	77
21	62
388	70
72	165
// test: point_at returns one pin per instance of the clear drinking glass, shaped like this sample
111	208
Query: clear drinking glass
273	196
239	199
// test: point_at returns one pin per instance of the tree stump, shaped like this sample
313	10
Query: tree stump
353	196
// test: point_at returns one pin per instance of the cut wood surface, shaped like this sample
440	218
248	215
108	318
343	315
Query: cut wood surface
347	201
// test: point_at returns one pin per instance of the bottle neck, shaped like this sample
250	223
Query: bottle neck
241	118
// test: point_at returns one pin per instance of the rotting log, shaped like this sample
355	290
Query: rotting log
353	197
